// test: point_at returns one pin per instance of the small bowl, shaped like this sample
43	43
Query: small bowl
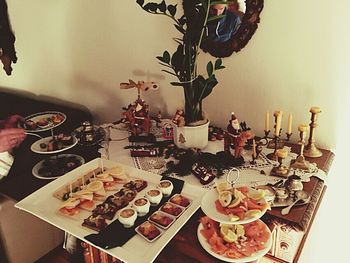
166	187
154	196
142	206
127	216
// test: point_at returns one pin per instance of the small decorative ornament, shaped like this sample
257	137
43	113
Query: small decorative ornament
182	138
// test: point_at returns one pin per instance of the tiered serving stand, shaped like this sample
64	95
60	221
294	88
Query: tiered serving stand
209	209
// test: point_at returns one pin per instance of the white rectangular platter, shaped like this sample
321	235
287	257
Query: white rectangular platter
43	205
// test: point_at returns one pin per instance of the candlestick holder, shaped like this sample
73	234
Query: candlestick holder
280	170
310	149
288	136
300	162
273	156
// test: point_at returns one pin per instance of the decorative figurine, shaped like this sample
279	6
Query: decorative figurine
179	118
310	149
300	162
281	170
236	137
137	114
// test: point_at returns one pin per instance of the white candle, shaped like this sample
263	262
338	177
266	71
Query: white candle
290	118
254	149
278	122
267	121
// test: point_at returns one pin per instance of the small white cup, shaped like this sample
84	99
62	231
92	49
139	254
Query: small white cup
166	186
142	206
127	216
154	196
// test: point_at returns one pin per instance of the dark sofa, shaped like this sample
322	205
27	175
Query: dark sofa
23	237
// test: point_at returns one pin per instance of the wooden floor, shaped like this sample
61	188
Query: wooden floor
60	255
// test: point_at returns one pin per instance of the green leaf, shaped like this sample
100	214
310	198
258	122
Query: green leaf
166	57
140	2
172	9
218	63
151	7
180	29
210	68
162	7
176	84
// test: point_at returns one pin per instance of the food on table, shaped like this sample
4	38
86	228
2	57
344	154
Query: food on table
171	209
148	230
235	241
57	118
180	200
95	222
142	206
161	219
119	202
70	207
106	210
118	174
137	185
154	196
241	203
58	165
98	189
108	181
86	199
166	187
58	142
127	216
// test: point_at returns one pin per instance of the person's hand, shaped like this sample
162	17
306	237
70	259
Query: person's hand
11	138
11	122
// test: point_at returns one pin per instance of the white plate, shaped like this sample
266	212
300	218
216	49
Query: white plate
252	258
35	170
46	114
44	205
37	149
209	208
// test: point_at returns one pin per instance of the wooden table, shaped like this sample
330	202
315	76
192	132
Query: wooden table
184	247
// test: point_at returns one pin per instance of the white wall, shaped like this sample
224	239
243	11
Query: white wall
81	50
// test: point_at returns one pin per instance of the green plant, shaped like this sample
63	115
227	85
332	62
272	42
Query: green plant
183	62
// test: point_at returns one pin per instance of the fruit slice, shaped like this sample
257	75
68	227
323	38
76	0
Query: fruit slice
234	202
234	218
253	213
94	186
225	198
222	186
228	233
257	195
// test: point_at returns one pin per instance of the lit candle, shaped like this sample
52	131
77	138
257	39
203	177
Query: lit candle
290	118
315	110
267	121
254	149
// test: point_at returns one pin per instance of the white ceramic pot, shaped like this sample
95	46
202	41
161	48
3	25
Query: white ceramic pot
191	136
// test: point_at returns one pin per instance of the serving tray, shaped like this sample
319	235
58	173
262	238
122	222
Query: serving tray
44	205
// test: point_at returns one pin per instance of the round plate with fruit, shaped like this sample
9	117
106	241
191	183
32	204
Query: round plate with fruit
234	205
234	243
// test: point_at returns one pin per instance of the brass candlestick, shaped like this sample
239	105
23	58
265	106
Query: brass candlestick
276	143
280	170
310	149
273	156
300	162
288	136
